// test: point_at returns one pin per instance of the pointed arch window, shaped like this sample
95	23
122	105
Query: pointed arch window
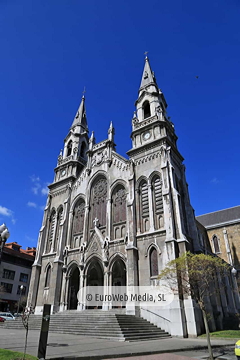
144	206
59	219
99	202
119	212
78	223
146	109
48	276
51	228
157	202
216	246
83	150
69	148
153	257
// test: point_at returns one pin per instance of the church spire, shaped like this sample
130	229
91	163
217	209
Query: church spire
148	77
150	97
80	118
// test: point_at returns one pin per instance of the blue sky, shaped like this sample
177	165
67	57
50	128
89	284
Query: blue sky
51	49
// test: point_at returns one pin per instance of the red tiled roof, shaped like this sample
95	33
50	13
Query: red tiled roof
28	254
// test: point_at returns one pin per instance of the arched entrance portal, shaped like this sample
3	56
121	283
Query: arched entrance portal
73	289
119	279
95	278
119	273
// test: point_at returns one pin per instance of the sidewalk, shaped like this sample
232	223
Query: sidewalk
158	357
64	346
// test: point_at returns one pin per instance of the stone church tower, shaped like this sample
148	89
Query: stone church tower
116	221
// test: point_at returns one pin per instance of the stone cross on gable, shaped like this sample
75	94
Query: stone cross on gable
95	221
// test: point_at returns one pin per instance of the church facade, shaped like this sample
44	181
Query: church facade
115	221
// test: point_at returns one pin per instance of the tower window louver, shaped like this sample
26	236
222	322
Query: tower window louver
157	202
51	228
144	207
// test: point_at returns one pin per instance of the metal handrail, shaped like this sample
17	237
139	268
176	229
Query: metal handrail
156	314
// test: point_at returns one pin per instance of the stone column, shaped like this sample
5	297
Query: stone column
105	305
63	291
225	235
56	281
109	218
33	286
36	269
169	221
132	279
81	306
181	318
110	286
66	292
85	226
132	217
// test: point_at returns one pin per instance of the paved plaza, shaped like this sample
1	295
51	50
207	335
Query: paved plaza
64	346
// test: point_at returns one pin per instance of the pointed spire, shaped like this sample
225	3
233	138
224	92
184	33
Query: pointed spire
91	141
92	138
111	132
148	75
80	117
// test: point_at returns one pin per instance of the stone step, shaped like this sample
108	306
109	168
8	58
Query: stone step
96	323
88	325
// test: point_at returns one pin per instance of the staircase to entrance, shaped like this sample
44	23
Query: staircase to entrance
96	323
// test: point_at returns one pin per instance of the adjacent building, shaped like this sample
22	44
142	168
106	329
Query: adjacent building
223	229
15	272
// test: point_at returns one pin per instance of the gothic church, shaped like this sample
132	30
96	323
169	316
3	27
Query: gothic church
116	221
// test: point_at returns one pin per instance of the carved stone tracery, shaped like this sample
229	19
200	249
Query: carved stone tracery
78	218
119	212
120	196
99	202
100	191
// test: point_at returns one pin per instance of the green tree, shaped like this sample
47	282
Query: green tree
196	275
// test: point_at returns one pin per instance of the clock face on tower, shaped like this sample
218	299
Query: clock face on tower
63	172
146	135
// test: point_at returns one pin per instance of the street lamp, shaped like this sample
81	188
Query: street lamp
234	272
21	289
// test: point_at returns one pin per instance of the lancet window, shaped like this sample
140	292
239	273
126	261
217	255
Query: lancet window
157	202
59	219
83	150
153	256
69	148
216	246
119	213
146	110
144	206
48	276
98	207
78	223
51	228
